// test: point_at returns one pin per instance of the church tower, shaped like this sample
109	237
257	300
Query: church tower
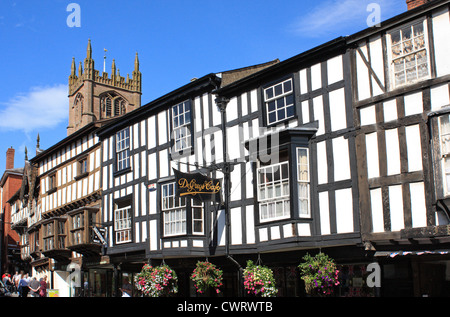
94	97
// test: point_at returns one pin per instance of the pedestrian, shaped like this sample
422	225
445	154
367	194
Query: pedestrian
34	287
126	288
6	279
23	286
16	280
43	287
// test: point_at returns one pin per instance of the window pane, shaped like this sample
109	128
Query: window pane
278	90
269	93
287	86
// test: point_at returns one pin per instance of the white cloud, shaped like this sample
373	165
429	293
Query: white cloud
41	107
336	16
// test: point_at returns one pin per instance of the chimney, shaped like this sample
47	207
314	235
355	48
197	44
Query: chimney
412	4
10	158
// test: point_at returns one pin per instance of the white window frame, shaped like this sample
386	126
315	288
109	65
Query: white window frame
444	140
181	125
404	55
303	179
175	212
273	194
122	224
123	149
275	94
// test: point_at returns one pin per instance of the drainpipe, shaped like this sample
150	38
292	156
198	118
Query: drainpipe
222	104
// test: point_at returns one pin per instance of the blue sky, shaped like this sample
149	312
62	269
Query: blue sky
176	40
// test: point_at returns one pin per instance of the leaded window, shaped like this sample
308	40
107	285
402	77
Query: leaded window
409	54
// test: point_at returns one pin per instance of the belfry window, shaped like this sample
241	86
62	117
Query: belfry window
112	105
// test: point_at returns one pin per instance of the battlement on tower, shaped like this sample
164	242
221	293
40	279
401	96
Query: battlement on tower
95	96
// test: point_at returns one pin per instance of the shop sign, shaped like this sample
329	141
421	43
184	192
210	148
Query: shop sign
197	186
53	292
99	235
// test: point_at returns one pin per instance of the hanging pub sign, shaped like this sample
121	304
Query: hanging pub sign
197	186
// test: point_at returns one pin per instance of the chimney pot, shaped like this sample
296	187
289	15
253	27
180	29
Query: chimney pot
10	158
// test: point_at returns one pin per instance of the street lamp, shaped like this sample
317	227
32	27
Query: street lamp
222	102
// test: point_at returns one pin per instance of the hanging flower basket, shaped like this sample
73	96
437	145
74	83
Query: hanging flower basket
259	280
157	281
319	273
206	275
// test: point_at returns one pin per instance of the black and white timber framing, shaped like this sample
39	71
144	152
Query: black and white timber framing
372	138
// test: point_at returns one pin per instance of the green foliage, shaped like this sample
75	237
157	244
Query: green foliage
319	273
157	281
259	280
206	275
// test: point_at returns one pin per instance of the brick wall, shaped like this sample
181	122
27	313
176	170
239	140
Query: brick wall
415	3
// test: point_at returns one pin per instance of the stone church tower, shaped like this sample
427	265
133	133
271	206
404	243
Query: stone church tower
95	97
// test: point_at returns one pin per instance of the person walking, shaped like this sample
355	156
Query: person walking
34	287
43	287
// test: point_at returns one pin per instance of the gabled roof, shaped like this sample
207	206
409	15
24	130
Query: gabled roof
10	171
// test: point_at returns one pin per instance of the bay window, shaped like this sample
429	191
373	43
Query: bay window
274	190
180	215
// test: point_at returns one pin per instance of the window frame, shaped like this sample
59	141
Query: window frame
274	98
189	138
444	154
270	187
80	171
121	205
186	208
306	182
53	233
426	48
52	185
122	150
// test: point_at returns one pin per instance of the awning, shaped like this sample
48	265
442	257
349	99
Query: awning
393	254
